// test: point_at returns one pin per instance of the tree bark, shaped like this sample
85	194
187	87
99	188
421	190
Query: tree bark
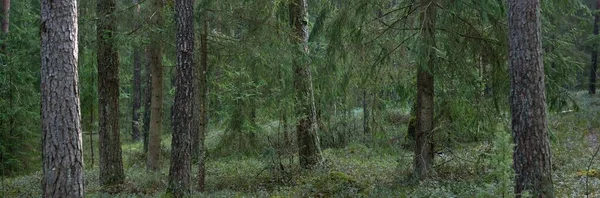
147	101
531	157
423	158
62	156
5	22
156	117
306	128
137	86
180	171
111	162
594	64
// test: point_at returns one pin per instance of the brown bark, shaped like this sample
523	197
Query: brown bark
594	54
147	101
306	129
137	87
156	116
111	162
203	100
62	156
180	170
531	157
423	158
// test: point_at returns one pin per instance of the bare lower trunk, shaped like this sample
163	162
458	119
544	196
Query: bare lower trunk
423	158
156	116
62	156
111	163
181	146
306	129
532	163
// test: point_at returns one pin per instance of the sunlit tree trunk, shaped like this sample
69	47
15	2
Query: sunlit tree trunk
62	150
156	67
423	158
532	163
111	163
306	129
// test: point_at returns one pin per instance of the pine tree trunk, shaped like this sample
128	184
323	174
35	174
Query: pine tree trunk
156	67
111	163
531	157
147	100
423	158
62	154
180	171
203	99
306	129
594	65
137	88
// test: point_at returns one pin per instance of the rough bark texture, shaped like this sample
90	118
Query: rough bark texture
137	86
147	100
61	116
594	54
306	129
531	156
180	171
203	100
423	158
111	163
156	67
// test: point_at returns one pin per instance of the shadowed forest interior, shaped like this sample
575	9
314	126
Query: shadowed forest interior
299	98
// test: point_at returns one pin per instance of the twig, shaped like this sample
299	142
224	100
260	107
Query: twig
587	189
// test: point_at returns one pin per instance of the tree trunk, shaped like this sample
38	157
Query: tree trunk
111	163
531	157
306	129
137	87
62	154
156	116
365	114
147	101
180	171
203	99
594	66
423	158
5	22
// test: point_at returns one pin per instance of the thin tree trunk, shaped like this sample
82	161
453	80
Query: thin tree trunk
594	65
365	114
156	117
203	98
147	100
306	129
62	155
137	87
5	22
532	163
423	158
181	167
111	162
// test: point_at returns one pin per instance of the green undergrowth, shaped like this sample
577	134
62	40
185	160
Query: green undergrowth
374	168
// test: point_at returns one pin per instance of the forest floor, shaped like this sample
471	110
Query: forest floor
379	168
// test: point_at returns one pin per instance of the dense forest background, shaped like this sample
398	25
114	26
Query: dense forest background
365	57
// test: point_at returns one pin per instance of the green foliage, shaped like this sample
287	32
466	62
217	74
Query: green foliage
19	92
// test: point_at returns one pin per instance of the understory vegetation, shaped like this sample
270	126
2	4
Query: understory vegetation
374	166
